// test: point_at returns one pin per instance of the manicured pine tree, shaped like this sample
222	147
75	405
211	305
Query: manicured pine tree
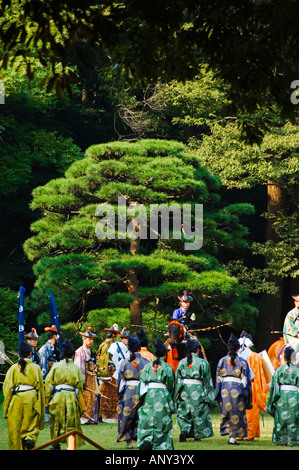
86	271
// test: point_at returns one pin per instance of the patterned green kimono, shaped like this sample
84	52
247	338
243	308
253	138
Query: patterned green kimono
24	410
194	392
67	405
283	405
155	415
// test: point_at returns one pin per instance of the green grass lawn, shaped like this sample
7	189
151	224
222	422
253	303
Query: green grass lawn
105	435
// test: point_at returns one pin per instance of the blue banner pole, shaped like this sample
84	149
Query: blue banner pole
20	315
55	321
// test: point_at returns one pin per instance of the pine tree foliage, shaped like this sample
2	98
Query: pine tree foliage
86	272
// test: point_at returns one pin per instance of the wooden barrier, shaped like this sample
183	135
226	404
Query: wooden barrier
72	437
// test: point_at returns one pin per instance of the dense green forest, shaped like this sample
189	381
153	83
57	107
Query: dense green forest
91	134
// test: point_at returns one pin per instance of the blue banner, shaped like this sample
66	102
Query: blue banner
55	321
20	316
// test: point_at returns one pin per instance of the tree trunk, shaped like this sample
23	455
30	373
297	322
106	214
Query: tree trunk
271	316
132	284
293	283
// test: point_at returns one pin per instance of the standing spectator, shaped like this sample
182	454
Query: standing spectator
155	393
194	394
48	355
259	386
64	394
108	383
24	401
119	350
283	402
129	374
32	338
233	392
85	358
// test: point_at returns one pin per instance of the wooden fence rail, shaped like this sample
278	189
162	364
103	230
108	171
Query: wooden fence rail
72	437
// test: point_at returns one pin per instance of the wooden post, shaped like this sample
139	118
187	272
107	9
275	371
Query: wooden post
74	434
72	442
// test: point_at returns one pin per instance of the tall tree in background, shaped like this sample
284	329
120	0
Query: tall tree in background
40	136
274	166
196	112
86	272
252	46
32	153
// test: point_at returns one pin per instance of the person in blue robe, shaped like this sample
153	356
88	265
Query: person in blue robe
233	392
49	353
128	381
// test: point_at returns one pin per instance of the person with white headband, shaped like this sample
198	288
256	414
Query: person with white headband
259	385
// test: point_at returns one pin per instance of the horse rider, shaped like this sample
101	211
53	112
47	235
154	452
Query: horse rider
291	326
183	314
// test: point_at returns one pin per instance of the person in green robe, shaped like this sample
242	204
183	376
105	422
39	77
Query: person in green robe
24	401
155	394
194	393
64	394
283	402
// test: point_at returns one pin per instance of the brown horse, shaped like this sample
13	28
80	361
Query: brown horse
177	340
275	353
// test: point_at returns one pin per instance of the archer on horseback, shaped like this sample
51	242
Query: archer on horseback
182	320
291	326
183	314
290	337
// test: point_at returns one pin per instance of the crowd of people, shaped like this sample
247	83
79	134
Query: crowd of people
124	383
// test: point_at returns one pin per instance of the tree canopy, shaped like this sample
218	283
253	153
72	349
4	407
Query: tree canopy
132	271
251	45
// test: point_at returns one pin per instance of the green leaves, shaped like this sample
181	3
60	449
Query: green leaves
247	45
241	165
69	257
282	254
